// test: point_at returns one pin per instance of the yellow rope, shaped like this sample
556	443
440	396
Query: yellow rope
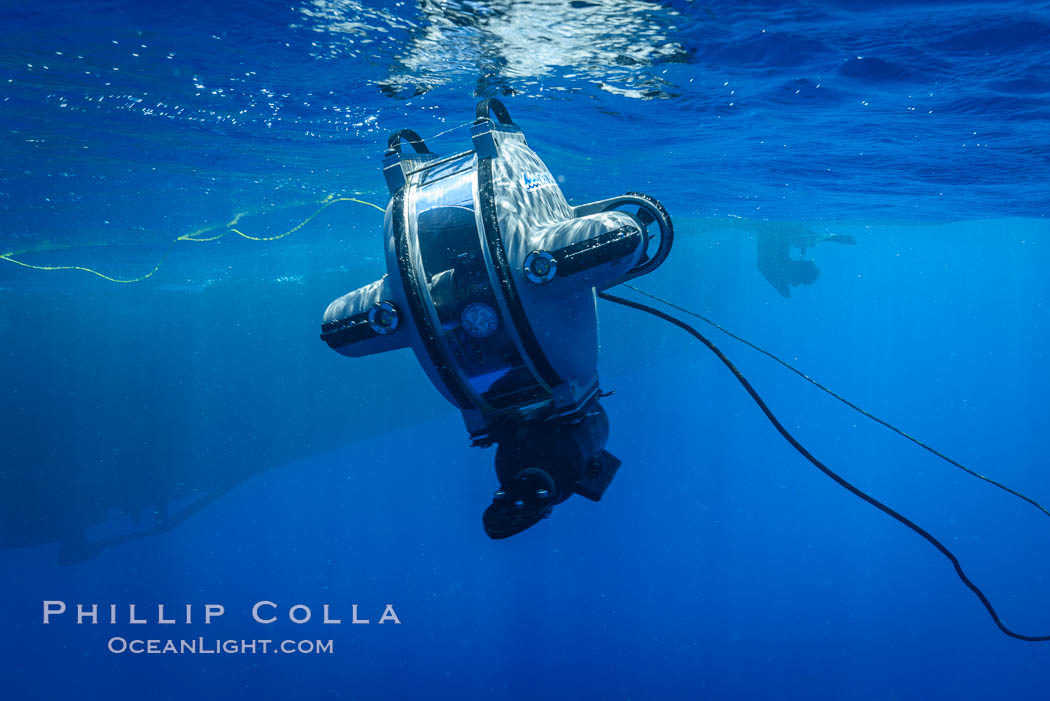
125	281
195	236
192	237
328	202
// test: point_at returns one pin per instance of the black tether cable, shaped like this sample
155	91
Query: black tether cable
847	402
824	468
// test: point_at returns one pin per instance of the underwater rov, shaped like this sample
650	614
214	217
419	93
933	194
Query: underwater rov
491	280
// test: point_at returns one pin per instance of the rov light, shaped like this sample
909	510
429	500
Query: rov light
491	280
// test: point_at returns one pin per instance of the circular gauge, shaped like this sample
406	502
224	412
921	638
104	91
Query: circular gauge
479	320
540	267
383	318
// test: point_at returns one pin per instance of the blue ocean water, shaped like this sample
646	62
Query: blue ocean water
187	439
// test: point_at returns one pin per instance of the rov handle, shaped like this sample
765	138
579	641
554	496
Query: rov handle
410	137
494	106
648	210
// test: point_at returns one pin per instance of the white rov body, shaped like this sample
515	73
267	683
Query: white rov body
491	276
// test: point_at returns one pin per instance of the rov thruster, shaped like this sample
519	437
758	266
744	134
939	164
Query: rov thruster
491	280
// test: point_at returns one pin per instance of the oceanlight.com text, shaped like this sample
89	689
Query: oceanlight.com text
214	646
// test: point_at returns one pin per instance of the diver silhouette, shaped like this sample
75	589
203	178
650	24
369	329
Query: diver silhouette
774	259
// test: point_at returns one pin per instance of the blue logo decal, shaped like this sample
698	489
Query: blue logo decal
536	180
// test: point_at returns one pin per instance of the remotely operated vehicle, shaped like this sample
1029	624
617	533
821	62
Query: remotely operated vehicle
491	280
